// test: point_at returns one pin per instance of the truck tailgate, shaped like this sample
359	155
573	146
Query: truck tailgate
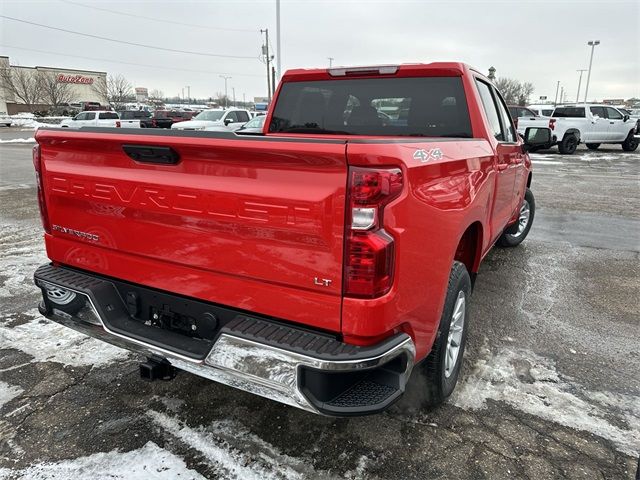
254	223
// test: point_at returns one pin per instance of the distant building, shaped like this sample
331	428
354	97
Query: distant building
142	94
86	86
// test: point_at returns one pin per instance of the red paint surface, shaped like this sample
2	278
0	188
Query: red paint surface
253	223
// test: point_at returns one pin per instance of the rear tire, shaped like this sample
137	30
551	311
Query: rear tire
525	220
442	367
593	146
568	144
631	143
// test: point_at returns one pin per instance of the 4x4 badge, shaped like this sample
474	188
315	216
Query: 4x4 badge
424	156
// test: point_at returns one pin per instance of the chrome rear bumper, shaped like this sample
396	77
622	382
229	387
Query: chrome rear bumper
341	381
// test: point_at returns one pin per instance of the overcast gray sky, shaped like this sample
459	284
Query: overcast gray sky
537	41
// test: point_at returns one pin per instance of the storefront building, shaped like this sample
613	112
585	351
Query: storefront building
78	86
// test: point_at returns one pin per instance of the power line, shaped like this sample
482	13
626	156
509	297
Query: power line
130	63
158	19
203	54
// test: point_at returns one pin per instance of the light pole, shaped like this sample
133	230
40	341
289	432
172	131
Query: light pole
265	52
278	54
592	44
579	83
555	101
330	61
188	87
226	99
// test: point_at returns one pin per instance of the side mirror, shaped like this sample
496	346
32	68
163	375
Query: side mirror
228	120
626	117
537	137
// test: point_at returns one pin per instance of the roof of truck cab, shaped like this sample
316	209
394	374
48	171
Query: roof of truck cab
404	70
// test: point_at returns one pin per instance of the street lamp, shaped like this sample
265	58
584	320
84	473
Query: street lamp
579	83
226	98
592	44
330	61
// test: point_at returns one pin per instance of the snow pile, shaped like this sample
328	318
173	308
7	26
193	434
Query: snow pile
236	453
48	341
531	383
19	140
147	463
8	393
28	120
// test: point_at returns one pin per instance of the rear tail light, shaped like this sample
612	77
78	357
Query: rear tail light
552	123
117	124
37	164
369	250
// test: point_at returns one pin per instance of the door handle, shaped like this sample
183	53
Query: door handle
612	123
152	154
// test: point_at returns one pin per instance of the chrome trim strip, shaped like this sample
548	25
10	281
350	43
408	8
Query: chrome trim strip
245	364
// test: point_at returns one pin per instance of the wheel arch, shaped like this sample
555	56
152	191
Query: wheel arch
573	131
469	248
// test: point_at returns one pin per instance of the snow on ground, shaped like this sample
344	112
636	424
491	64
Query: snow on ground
531	383
22	252
19	140
28	120
237	453
147	463
8	393
47	341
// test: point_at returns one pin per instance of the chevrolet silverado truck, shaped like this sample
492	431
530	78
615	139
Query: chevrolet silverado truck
318	264
591	124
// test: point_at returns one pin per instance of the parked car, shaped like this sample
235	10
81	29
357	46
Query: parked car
5	119
137	118
166	118
232	119
591	124
99	118
93	106
317	265
255	125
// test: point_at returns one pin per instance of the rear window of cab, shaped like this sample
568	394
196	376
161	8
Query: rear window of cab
419	106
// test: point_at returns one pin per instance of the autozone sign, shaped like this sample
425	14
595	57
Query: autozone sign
62	78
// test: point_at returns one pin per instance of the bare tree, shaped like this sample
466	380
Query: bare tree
526	90
514	92
24	85
116	89
156	94
54	92
119	89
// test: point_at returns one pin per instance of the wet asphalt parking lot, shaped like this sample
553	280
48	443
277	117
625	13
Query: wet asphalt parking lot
550	386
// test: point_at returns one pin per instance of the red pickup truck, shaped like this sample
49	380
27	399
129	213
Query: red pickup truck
317	264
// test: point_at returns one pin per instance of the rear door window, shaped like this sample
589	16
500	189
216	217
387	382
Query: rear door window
242	116
108	116
490	109
569	112
599	111
422	106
